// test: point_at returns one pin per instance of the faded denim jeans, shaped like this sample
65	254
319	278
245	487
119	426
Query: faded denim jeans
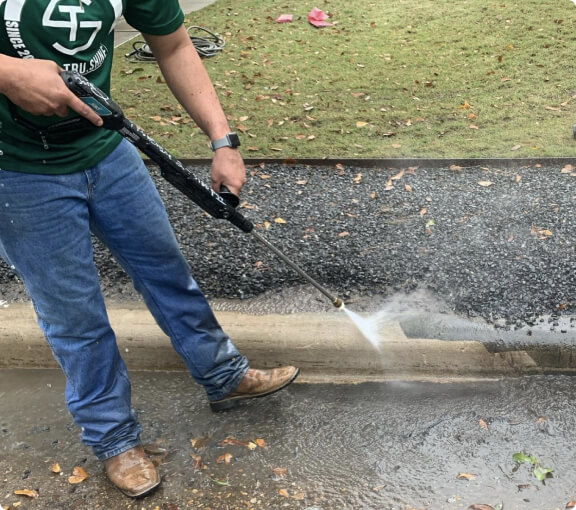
45	234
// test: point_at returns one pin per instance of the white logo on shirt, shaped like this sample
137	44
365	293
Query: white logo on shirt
72	24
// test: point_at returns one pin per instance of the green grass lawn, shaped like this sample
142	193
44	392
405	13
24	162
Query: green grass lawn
402	78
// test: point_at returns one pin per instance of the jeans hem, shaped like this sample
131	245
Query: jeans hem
230	387
117	451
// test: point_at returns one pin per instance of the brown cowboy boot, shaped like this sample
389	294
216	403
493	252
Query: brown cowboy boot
132	472
257	383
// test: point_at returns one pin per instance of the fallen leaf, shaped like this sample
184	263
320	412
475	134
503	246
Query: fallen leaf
234	441
423	211
398	176
55	468
298	496
284	492
27	492
200	441
480	507
482	424
78	475
571	504
541	473
358	178
343	234
567	169
455	168
466	476
485	184
260	443
361	124
279	220
408	188
279	471
516	147
226	458
198	462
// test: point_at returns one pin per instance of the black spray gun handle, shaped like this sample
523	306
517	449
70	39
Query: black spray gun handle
219	205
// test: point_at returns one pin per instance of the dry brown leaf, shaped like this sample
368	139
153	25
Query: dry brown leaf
408	188
423	211
358	178
343	234
516	147
567	169
200	441
398	176
198	462
156	118
373	195
279	471
234	441
55	468
284	492
455	168
226	458
78	475
279	220
27	492
260	443
465	476
298	496
482	424
480	507
485	184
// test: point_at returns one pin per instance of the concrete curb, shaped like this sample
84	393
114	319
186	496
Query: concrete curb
326	346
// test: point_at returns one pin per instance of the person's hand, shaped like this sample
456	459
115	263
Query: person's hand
228	170
36	87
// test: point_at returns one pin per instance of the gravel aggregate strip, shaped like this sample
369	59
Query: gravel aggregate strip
491	243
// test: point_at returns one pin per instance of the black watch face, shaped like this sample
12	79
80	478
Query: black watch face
234	140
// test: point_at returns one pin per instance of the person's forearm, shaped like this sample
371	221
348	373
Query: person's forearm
189	82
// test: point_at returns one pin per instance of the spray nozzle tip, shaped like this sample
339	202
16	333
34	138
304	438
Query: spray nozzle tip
338	303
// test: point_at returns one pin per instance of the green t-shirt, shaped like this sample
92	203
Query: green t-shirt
79	36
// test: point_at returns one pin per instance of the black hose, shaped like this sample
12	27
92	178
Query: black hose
206	46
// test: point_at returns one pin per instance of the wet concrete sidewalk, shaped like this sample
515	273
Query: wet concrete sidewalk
392	446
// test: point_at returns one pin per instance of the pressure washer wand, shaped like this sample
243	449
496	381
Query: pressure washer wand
219	205
336	301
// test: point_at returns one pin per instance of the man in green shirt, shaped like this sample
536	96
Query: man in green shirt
60	183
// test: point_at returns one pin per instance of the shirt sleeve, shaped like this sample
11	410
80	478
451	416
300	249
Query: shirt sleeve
154	17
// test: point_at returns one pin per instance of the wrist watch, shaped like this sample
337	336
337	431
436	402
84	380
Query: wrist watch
230	140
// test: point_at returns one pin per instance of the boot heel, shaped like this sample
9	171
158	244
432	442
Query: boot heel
226	405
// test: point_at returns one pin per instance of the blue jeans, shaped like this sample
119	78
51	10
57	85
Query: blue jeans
45	234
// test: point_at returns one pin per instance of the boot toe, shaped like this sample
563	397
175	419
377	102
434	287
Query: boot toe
132	472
